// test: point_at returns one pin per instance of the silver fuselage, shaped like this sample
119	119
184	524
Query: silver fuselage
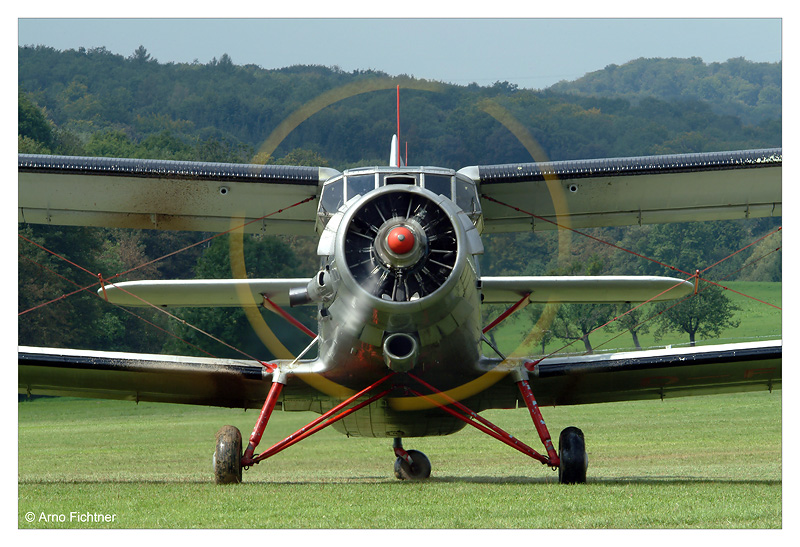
419	314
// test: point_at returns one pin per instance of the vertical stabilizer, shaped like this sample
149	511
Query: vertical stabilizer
394	159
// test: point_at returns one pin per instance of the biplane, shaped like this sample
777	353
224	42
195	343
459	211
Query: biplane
400	340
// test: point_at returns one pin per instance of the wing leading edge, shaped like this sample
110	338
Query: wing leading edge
202	292
630	191
590	289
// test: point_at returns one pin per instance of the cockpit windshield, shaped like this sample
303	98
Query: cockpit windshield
358	182
439	184
358	185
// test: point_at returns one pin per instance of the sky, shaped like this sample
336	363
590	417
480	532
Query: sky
529	52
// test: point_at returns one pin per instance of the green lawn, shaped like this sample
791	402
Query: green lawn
700	462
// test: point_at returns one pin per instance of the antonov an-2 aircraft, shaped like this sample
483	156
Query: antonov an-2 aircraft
399	291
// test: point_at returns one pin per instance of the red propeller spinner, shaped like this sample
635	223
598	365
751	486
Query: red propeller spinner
400	240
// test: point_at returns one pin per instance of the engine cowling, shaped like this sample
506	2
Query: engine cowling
400	245
400	260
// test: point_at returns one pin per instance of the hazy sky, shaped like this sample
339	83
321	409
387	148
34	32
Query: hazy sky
531	53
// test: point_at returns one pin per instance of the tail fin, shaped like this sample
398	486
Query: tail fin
394	159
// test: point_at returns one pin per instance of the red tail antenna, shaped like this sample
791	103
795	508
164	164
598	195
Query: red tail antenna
398	125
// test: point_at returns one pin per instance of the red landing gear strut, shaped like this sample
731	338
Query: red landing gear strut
571	460
472	418
412	464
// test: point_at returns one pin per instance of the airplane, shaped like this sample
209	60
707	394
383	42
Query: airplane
399	291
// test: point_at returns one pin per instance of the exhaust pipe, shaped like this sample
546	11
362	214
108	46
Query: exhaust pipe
321	288
400	351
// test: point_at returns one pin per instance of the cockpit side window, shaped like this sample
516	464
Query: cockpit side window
439	184
332	197
467	197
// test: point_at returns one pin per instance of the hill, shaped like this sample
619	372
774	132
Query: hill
750	91
220	111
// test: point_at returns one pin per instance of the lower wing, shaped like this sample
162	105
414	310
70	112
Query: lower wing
651	374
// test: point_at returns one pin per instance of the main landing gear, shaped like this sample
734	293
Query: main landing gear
228	456
571	460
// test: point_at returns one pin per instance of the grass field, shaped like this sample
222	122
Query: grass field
700	462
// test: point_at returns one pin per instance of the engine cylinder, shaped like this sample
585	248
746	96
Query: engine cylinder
392	269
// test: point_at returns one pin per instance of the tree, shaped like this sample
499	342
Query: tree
111	144
26	145
577	321
218	148
39	135
299	156
141	56
165	145
225	61
532	337
706	314
632	321
687	246
32	122
81	320
42	277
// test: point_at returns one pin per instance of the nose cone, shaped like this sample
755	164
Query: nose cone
400	240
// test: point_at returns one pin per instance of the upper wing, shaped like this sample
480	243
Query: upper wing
167	195
177	195
628	191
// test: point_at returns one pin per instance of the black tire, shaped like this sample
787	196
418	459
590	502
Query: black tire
419	470
572	453
228	456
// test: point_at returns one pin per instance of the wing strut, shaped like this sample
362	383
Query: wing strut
272	306
442	400
328	418
521	303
